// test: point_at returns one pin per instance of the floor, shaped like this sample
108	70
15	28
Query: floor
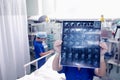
113	74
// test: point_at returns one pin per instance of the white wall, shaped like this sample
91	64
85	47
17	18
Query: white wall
48	7
75	8
40	7
87	8
34	7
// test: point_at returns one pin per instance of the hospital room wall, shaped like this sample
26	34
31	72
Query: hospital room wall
74	8
40	7
34	7
87	8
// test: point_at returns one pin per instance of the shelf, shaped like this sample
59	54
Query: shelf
112	61
37	24
113	41
31	47
32	33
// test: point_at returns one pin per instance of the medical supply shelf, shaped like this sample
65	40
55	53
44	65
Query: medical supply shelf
53	33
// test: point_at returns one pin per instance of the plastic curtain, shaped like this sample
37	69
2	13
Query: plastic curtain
14	48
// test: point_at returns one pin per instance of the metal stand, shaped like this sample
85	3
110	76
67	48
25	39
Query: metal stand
117	55
117	58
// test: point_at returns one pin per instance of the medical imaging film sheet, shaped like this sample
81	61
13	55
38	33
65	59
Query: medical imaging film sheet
80	46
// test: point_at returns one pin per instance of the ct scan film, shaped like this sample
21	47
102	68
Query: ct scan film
80	46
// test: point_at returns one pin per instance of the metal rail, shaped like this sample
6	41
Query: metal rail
34	61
